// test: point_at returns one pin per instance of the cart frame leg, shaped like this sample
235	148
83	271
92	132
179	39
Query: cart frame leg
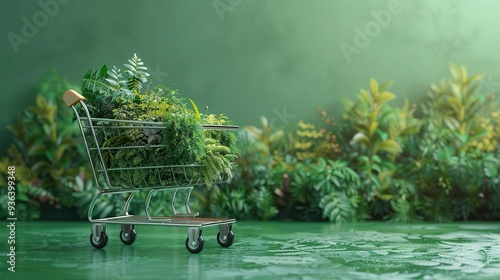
129	200
148	214
93	203
188	212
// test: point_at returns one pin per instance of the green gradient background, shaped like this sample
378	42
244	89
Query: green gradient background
258	58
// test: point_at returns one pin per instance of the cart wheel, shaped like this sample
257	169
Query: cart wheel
195	248
127	240
103	240
226	242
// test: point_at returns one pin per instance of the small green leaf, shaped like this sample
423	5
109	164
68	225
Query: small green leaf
455	72
103	72
385	86
360	138
390	146
195	108
37	149
263	122
373	128
474	78
385	97
374	87
276	136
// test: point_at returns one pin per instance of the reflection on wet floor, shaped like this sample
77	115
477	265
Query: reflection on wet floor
266	250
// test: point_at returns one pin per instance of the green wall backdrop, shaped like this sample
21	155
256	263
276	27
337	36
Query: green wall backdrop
246	58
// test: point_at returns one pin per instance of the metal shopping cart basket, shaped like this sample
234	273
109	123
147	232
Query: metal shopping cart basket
109	180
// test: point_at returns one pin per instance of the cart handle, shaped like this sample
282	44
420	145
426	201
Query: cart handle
72	97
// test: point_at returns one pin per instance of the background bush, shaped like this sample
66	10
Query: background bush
434	162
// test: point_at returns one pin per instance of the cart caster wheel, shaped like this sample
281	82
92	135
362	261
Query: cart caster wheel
227	241
103	241
129	238
195	248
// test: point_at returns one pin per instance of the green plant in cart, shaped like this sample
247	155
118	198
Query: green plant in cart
220	149
182	142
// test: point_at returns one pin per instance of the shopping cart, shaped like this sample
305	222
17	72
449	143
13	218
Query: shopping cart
120	181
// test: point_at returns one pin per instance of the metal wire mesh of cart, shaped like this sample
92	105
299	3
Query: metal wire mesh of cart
109	141
126	157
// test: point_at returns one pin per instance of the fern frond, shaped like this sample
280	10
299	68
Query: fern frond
213	165
338	208
206	178
195	108
219	149
264	203
94	82
116	80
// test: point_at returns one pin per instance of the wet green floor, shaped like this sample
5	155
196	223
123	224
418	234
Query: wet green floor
262	250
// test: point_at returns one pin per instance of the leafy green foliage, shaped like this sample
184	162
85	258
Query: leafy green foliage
84	191
380	133
183	140
452	170
136	74
389	165
327	185
250	194
339	187
456	106
220	149
380	162
309	141
45	152
104	88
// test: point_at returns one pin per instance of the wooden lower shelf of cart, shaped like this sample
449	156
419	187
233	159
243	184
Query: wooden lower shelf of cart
170	221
